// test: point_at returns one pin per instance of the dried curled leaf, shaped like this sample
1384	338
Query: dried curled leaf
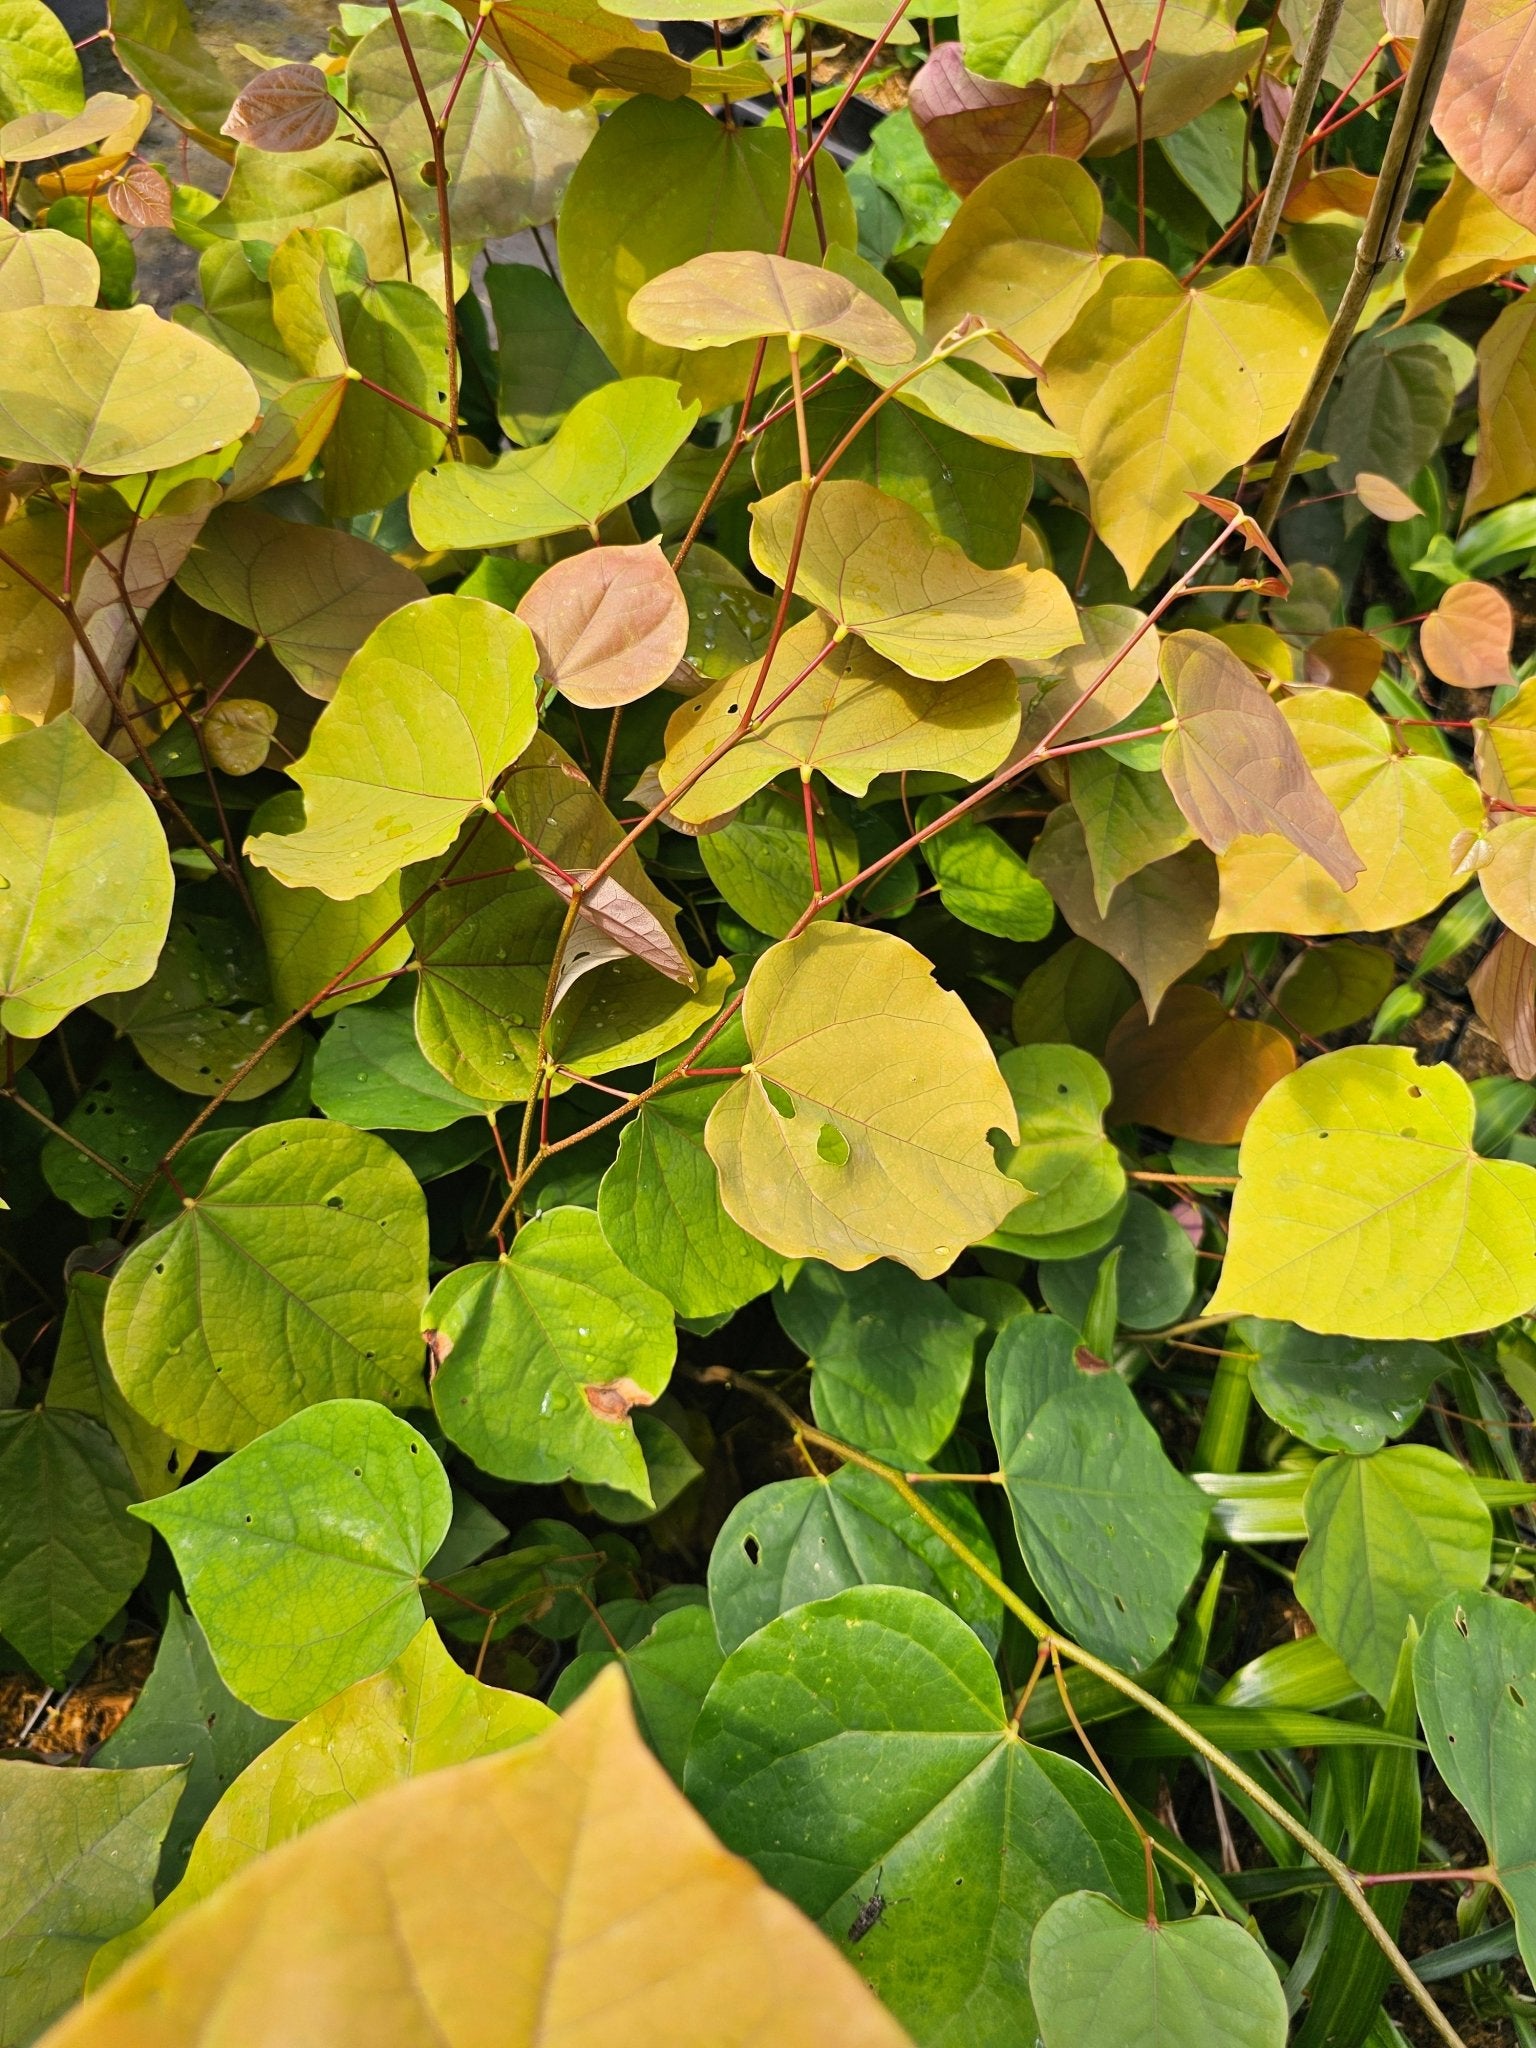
860	1130
284	110
730	295
610	624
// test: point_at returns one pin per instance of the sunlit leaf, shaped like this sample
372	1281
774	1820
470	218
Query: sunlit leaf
39	70
1099	1973
1400	811
87	880
972	126
1482	114
1506	749
55	131
45	268
1466	241
541	1357
1167	389
115	393
1505	464
733	295
851	1036
297	1275
874	565
611	445
1197	1072
310	940
1508	876
610	624
1020	40
473	1882
861	1744
435	704
333	1515
1387	1536
121	581
285	109
1466	639
82	1380
567	50
759	859
157	46
1364	1211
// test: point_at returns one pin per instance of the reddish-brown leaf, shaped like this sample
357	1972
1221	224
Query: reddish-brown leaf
1345	659
286	109
141	198
1233	763
1466	640
611	624
1503	992
1486	111
1196	1072
973	126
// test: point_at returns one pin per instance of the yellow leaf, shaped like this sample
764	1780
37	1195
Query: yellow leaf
1483	111
1119	667
1023	252
560	1895
1466	241
879	569
732	295
1167	390
860	1130
1505	465
45	268
854	717
1506	749
1509	875
1363	1210
1400	811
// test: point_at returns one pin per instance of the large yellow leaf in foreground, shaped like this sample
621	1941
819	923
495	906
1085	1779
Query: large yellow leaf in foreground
1166	390
1401	812
1363	1210
560	1895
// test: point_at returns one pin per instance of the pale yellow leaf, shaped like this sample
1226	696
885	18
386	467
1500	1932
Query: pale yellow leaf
1466	241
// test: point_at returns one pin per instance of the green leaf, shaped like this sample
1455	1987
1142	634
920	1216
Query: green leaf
39	70
1388	411
1329	988
875	566
843	1026
803	1539
542	1355
86	896
861	1743
546	360
1475	1676
313	594
726	188
1076	997
1020	40
420	1713
69	1555
987	885
660	1209
1098	1973
371	1073
296	1276
155	44
1156	1273
1110	1532
1337	1392
761	864
87	390
1364	1211
79	1869
1071	1170
669	1671
302	1553
890	1355
1129	820
1387	1536
434	705
82	1381
337	186
187	1716
610	446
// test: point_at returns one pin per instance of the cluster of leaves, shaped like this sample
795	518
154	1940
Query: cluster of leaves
710	957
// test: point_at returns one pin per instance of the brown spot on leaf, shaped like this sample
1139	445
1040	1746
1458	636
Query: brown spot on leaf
612	1401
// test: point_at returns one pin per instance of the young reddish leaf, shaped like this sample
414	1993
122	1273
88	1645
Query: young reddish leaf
731	295
284	110
973	126
1466	640
1196	1073
623	921
1486	110
1344	659
1233	763
1386	499
1503	992
141	197
610	624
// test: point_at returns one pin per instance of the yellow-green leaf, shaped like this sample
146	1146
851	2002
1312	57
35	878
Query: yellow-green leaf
1505	464
732	295
1364	1210
45	268
861	1128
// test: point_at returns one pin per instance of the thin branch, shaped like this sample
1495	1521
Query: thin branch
1293	136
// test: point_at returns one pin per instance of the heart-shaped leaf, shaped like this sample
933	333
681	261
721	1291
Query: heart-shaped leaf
1364	1210
1466	639
731	295
286	109
1071	1172
1504	467
1483	111
610	624
45	268
302	1554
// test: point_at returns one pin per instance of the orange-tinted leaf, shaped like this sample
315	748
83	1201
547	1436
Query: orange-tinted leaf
286	109
1344	659
564	1888
567	50
1196	1072
1503	992
1233	763
1486	112
732	295
1505	464
1466	640
141	198
1386	499
611	624
1159	922
973	126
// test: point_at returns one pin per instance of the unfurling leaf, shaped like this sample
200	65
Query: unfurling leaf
850	1035
433	707
610	624
1365	1211
1467	637
1234	765
873	563
1197	1072
286	109
731	295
